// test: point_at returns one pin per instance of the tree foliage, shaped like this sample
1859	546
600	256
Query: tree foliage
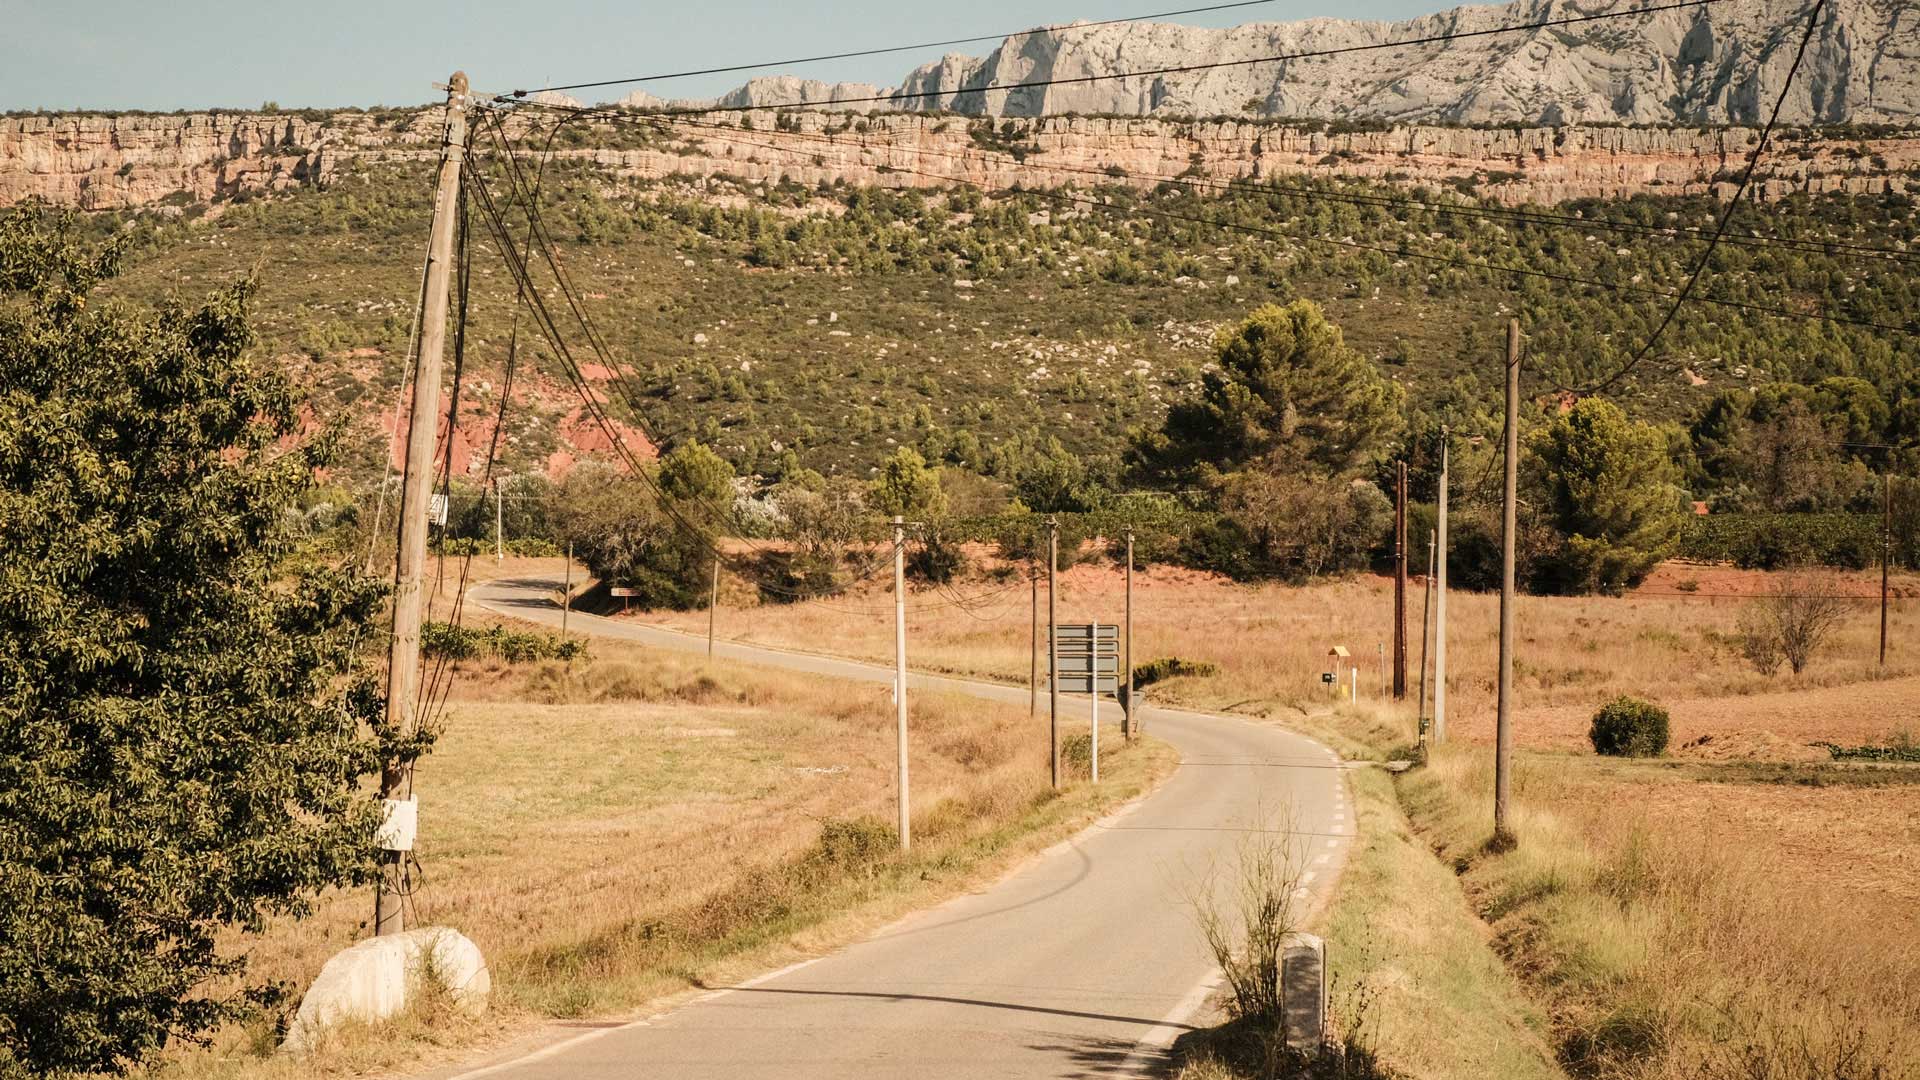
624	534
1606	485
183	725
1286	387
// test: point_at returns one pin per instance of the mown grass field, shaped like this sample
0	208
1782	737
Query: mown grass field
617	831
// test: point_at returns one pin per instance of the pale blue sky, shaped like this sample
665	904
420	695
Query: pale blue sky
194	54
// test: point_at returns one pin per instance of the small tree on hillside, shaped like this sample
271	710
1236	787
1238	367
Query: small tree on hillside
908	487
184	730
700	482
620	530
1287	387
1607	484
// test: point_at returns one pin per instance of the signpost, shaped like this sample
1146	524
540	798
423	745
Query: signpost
1089	663
624	593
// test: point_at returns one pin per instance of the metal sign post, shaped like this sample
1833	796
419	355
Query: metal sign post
1089	663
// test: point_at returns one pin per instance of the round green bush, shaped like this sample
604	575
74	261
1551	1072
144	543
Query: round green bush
1629	727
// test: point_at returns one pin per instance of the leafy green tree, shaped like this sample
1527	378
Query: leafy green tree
700	482
626	538
184	728
1609	488
1287	388
908	487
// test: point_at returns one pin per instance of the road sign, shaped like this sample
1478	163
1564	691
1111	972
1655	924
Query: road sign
1086	648
622	590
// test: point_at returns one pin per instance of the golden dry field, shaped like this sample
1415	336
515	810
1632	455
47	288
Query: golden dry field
622	829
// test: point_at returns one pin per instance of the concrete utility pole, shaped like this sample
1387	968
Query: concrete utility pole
900	672
1886	555
1426	609
1400	583
566	590
1509	521
1033	639
1440	598
403	659
1053	647
1093	684
499	539
713	601
1129	727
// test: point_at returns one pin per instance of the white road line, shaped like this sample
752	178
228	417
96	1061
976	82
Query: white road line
1160	1036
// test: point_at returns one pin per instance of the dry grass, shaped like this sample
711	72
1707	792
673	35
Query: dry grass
1676	928
622	831
1270	643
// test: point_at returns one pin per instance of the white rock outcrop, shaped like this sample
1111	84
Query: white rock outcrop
377	978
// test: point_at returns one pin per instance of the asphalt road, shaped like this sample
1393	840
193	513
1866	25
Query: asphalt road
1083	962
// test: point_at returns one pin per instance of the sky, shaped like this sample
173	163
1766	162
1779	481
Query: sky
164	55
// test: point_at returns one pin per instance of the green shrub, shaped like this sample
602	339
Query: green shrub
1629	727
1171	667
1775	541
439	639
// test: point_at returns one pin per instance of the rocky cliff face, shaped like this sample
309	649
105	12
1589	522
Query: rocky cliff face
95	162
99	162
1723	63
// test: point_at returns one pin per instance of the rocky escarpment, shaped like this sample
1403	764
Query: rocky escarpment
103	162
1718	62
107	162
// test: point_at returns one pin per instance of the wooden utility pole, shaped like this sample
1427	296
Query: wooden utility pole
1033	639
1400	583
566	590
1509	522
1426	609
403	658
1886	555
1053	648
499	538
900	673
1129	726
713	601
1440	597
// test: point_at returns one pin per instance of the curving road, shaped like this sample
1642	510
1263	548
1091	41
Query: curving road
1083	962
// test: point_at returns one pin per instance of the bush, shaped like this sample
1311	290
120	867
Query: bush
1170	667
439	639
1775	541
1629	727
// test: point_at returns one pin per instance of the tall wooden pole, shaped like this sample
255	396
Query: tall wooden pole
566	590
1886	556
1509	521
1440	597
1426	609
1129	726
900	674
1400	583
499	537
1053	647
403	658
713	601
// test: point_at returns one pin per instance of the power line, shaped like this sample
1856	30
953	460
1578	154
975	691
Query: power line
1397	252
1746	178
1174	69
880	51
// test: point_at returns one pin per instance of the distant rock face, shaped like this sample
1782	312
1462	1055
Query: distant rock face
110	162
1723	63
